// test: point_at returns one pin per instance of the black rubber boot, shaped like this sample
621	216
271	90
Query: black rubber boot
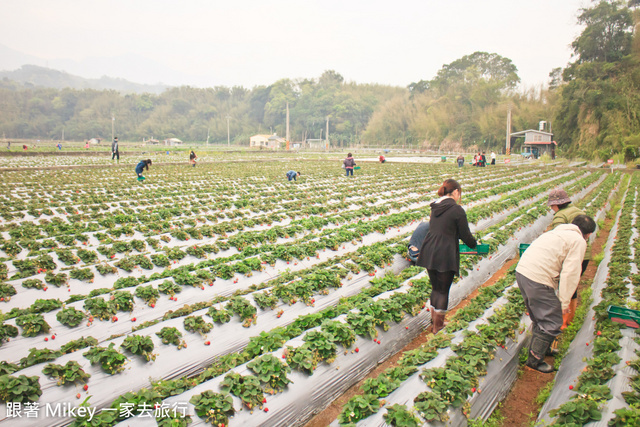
539	346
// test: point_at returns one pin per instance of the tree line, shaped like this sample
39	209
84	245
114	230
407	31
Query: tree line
593	103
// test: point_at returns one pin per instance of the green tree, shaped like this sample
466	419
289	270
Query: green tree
608	32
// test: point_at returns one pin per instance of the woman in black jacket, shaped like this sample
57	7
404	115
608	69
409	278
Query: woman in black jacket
440	252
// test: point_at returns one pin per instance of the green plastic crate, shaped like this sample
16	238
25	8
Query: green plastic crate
523	247
623	315
357	168
480	249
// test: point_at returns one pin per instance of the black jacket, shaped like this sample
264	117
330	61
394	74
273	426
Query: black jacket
448	224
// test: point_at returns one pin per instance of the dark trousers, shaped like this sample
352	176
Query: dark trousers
544	307
115	154
440	285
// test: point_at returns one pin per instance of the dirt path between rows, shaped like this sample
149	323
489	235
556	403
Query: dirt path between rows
520	408
328	415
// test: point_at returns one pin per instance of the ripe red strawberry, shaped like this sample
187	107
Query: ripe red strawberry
133	320
114	319
599	333
266	409
570	387
207	343
78	396
406	327
473	390
152	305
46	339
264	400
53	337
86	387
113	256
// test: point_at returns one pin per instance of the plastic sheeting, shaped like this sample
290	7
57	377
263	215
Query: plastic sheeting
494	385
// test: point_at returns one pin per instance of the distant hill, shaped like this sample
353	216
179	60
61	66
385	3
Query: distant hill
36	76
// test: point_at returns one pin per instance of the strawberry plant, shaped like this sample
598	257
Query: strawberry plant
271	371
169	288
84	274
358	408
160	260
6	290
36	356
247	388
105	269
78	344
45	305
399	416
302	359
70	317
33	284
196	251
148	293
214	408
110	359
171	336
56	279
219	315
72	372
197	324
431	406
32	325
142	262
265	300
175	254
19	389
122	300
321	343
139	245
577	411
3	271
244	309
87	256
140	345
126	263
7	368
125	282
11	248
100	308
66	256
340	332
7	332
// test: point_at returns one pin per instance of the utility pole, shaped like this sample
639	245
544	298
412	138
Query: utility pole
208	129
228	134
63	133
327	144
287	132
508	145
113	122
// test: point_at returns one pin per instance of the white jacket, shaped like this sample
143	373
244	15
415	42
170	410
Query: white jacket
556	254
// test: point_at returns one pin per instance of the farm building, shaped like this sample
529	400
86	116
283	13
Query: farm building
536	143
172	141
266	141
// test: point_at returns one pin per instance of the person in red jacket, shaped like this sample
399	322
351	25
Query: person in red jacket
440	250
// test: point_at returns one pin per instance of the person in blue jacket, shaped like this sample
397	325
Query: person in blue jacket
416	240
141	166
292	175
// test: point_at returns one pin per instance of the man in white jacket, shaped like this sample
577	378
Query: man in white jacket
554	255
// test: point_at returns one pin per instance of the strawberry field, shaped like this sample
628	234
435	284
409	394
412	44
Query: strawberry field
226	295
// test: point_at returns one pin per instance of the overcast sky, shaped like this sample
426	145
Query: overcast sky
257	42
